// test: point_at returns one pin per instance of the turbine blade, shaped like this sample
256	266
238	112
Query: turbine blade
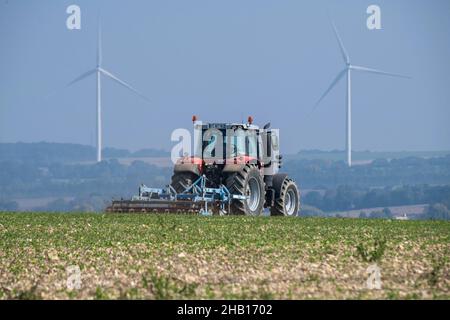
123	83
371	70
335	81
81	77
341	44
99	42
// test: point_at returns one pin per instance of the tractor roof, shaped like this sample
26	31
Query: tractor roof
244	126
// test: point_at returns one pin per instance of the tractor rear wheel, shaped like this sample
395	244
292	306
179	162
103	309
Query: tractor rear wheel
182	180
247	182
287	198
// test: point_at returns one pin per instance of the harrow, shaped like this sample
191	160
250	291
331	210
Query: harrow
196	198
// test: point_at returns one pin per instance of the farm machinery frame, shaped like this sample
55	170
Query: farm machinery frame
234	170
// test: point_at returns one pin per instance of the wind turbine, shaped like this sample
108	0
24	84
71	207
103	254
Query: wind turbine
98	70
347	71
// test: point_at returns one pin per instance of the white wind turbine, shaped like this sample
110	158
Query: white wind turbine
347	71
98	70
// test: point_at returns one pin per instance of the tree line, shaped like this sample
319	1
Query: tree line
345	198
323	174
48	152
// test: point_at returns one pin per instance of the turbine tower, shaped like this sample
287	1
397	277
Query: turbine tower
98	70
347	71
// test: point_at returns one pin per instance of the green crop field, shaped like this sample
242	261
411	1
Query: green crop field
173	256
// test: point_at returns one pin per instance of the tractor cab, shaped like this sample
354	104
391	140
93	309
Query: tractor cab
236	144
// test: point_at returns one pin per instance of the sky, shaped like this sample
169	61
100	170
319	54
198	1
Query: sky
225	60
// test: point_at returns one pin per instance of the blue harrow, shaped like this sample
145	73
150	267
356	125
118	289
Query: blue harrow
194	199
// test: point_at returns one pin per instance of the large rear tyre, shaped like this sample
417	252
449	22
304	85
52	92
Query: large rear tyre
287	197
247	182
182	180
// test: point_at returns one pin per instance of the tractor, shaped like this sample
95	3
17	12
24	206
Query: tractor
233	169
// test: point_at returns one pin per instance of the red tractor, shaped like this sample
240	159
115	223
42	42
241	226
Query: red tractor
245	159
233	170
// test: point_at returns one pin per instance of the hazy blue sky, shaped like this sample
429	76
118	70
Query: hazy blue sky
224	60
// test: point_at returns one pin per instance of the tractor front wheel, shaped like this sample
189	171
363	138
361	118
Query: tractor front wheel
287	198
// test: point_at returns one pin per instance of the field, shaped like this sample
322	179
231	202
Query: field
175	256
